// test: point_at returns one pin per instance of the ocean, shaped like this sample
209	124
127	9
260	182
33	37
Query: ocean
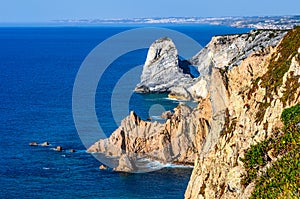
38	67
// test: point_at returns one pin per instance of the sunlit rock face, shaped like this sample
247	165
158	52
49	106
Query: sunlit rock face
253	106
229	117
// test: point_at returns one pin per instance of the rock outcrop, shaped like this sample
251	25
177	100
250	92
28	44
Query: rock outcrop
258	90
175	141
245	83
164	72
163	69
228	51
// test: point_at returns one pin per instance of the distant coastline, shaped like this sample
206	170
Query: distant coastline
256	22
253	22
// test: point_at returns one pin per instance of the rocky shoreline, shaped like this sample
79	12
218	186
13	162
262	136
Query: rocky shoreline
237	106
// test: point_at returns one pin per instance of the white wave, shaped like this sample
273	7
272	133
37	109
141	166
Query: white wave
156	117
173	99
147	164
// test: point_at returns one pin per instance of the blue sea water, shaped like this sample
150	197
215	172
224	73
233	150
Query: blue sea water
38	67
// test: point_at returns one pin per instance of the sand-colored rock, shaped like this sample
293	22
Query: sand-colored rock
218	170
175	141
102	167
127	163
225	122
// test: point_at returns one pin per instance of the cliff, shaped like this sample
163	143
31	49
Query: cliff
163	71
175	141
258	90
246	82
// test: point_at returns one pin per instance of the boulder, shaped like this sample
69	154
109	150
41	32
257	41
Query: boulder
103	167
126	164
166	115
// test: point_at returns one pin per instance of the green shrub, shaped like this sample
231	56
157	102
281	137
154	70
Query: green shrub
291	115
282	179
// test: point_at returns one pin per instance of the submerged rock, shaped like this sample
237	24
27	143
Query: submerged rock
45	144
103	167
33	144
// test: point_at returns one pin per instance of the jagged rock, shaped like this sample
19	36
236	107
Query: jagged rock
218	169
162	70
230	50
102	167
233	180
166	115
227	120
33	144
174	141
45	144
126	164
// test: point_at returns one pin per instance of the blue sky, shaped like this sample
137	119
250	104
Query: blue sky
47	10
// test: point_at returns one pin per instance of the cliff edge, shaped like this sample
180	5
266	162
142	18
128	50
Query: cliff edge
246	81
258	90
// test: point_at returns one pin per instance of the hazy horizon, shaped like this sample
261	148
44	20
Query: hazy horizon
36	11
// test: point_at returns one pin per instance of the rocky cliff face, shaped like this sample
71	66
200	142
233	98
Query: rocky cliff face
164	72
230	50
258	90
163	69
175	141
245	83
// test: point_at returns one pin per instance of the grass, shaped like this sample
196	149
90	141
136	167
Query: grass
282	178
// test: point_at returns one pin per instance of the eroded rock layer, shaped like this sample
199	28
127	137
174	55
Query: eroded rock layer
245	83
176	141
258	90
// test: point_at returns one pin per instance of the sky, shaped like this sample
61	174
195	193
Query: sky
48	10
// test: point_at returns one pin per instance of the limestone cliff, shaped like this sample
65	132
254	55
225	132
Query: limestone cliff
245	83
230	50
163	69
258	90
